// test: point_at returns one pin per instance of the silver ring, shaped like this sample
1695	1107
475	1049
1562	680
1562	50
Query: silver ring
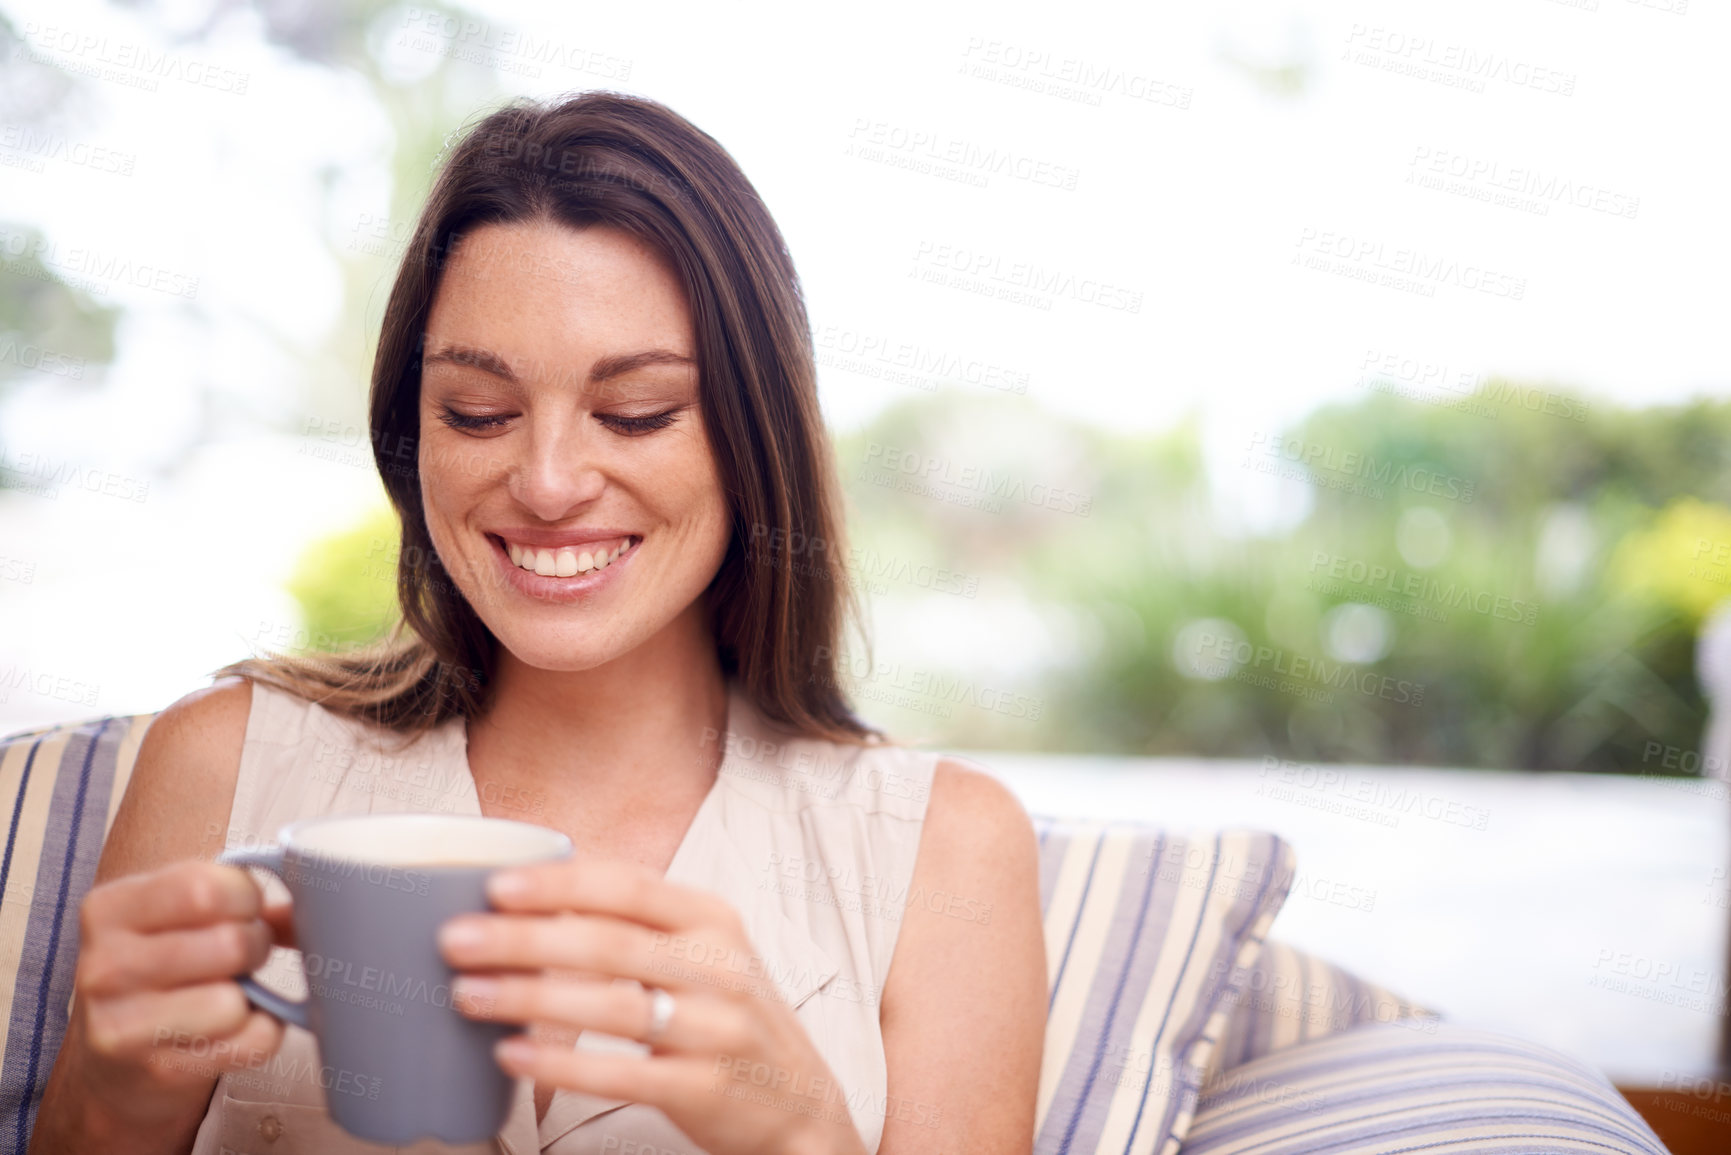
660	1014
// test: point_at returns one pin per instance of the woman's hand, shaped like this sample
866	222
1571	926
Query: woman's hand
734	1069
159	1011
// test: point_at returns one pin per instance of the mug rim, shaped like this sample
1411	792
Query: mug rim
560	846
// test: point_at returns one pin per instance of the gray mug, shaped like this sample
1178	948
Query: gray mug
370	892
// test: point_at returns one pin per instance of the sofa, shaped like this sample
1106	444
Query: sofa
1175	1023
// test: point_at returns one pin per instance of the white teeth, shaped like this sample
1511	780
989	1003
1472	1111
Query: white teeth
564	562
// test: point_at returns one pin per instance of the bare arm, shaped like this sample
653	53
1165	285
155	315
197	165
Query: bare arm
964	1005
162	930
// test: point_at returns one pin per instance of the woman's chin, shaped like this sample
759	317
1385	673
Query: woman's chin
566	648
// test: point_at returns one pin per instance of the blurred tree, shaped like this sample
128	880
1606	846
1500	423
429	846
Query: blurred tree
346	583
50	331
1450	598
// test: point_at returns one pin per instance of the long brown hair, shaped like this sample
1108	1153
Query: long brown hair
781	598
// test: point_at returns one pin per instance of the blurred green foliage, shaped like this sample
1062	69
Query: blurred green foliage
346	583
1511	583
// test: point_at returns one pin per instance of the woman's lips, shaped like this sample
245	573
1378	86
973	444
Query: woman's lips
534	579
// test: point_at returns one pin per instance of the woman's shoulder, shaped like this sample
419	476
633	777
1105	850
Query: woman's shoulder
203	730
182	781
973	810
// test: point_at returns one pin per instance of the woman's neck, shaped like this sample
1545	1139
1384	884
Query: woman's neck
647	723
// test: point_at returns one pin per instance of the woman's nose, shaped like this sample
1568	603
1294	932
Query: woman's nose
558	474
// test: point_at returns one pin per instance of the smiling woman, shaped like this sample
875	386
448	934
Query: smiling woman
622	604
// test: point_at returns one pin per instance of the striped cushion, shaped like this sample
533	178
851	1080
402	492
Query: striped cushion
1292	997
1382	1087
59	787
1147	934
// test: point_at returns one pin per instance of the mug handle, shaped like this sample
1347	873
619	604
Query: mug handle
288	1010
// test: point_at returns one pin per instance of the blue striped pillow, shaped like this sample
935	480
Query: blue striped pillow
1381	1087
1150	934
59	788
1293	997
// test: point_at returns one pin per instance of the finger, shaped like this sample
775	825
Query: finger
616	887
655	1080
185	894
130	1025
123	962
187	1053
699	1023
599	945
279	916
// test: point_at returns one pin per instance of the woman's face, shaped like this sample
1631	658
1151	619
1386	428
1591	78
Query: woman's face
565	472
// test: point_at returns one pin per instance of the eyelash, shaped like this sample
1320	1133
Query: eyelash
631	426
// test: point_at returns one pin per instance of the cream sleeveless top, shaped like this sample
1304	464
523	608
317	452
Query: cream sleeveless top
812	841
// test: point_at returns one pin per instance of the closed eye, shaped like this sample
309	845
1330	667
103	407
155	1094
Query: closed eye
634	426
471	421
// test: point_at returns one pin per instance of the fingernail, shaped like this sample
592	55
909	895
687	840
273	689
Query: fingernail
475	993
507	884
460	934
514	1051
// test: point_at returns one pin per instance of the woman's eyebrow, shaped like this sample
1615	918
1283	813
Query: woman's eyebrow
605	368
